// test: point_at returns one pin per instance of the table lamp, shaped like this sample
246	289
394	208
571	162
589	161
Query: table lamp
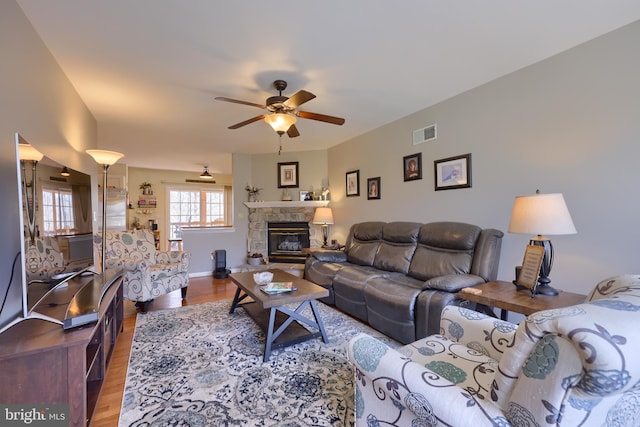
324	217
106	159
542	214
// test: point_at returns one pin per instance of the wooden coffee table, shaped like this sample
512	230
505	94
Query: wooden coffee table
507	297
282	325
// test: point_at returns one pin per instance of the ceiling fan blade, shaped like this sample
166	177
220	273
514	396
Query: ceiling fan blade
320	117
299	98
237	101
293	131
246	122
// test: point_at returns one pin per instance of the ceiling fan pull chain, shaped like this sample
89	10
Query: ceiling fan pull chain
280	140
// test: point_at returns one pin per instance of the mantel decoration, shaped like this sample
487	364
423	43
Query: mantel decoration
252	192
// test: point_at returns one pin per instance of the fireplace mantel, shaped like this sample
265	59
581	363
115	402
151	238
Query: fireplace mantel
285	204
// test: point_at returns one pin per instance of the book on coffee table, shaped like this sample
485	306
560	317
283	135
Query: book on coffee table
277	287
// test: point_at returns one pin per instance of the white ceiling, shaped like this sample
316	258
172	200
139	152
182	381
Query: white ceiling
149	69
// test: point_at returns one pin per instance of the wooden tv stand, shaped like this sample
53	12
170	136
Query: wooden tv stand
43	364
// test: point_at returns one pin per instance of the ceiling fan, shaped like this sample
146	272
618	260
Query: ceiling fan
282	111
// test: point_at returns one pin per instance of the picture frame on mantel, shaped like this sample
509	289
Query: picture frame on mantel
353	183
288	175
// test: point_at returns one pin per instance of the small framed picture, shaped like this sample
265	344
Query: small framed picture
530	270
303	195
373	188
453	172
288	175
353	183
412	166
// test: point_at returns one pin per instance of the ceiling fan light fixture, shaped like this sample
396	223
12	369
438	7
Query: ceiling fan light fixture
280	122
205	174
65	171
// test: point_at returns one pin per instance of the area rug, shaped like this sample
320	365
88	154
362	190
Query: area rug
201	366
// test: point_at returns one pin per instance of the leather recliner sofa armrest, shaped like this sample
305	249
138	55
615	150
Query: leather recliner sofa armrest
453	282
328	255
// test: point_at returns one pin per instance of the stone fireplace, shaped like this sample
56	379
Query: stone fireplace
263	213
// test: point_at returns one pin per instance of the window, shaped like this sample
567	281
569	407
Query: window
207	206
57	211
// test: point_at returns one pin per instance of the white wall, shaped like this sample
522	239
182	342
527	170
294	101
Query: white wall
569	124
38	102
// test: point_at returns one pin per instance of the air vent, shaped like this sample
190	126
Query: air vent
425	134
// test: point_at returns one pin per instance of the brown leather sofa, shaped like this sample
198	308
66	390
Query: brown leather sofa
398	276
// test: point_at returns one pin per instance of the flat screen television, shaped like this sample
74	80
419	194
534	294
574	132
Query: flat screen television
34	207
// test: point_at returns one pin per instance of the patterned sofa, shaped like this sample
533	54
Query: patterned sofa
576	366
148	273
398	276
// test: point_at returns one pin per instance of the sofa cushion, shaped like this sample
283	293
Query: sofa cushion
398	244
365	242
449	235
444	248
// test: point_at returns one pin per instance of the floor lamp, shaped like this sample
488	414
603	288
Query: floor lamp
323	217
106	159
542	214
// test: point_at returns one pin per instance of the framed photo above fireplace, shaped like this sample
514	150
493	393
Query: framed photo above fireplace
288	175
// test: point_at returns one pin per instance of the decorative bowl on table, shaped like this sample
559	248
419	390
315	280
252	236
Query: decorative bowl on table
263	277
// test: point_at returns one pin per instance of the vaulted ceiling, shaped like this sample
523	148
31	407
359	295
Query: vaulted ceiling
149	70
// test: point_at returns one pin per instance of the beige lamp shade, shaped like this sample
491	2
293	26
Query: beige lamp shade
104	157
280	122
323	216
27	152
541	214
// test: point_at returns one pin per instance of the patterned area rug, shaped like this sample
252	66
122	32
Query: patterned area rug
201	366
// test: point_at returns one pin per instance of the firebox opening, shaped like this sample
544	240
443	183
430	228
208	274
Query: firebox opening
286	240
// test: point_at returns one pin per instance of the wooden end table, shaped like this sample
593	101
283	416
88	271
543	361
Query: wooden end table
281	324
507	297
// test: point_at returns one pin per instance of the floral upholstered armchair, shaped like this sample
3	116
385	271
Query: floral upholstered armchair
148	273
44	260
576	366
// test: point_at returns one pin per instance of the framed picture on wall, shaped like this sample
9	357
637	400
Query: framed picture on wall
353	183
288	175
373	188
453	172
412	166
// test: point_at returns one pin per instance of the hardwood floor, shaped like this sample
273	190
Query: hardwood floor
201	289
